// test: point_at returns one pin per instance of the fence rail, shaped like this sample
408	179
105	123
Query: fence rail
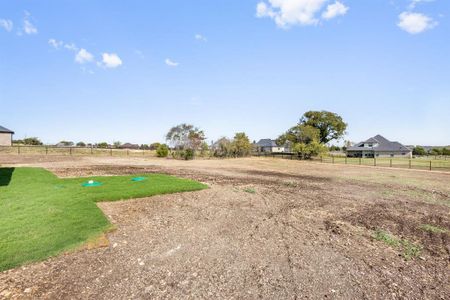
73	151
414	163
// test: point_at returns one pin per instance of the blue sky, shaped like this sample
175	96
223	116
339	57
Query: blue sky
129	70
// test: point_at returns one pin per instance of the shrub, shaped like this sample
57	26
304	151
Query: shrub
162	150
188	154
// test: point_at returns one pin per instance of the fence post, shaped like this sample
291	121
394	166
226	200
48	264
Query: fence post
321	159
92	150
128	152
18	150
70	150
360	161
390	163
374	162
332	159
430	164
46	150
410	164
346	160
110	151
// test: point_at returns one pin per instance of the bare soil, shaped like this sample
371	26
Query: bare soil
266	228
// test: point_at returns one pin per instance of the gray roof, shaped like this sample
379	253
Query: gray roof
383	145
5	130
267	143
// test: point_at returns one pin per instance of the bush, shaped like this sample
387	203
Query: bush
34	141
188	154
162	150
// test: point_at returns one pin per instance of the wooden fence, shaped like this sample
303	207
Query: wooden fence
72	151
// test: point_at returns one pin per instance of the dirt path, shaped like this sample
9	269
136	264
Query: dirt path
265	229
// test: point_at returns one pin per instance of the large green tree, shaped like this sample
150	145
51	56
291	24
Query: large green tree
299	134
331	126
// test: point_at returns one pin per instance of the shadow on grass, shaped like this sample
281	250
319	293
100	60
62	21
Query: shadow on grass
5	176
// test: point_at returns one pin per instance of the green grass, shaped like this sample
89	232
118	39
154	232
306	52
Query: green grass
250	190
409	249
42	215
434	229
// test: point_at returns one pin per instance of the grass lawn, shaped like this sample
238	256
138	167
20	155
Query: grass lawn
42	215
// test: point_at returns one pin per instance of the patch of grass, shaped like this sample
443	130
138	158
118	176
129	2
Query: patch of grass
409	250
432	228
42	215
250	190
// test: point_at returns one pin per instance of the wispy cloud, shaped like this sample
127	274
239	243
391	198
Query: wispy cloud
200	37
171	63
414	3
334	10
6	24
55	43
415	23
28	27
110	60
83	56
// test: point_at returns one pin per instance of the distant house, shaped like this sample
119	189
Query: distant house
378	146
5	136
268	145
129	146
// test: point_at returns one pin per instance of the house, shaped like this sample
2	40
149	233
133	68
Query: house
5	136
378	146
129	146
268	145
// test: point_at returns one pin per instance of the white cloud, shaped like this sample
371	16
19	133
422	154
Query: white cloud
334	10
200	37
83	56
55	43
171	63
414	3
415	23
110	60
71	47
28	27
6	24
291	12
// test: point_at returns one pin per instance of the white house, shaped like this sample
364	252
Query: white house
5	136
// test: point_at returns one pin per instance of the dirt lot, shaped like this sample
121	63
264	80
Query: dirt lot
266	228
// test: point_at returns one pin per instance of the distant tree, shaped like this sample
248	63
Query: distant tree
81	144
418	150
155	146
330	125
185	137
34	141
66	143
446	151
241	145
103	145
20	142
313	149
162	150
334	148
117	144
204	149
144	147
436	151
222	147
299	134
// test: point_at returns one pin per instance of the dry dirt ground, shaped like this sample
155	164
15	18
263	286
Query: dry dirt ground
266	228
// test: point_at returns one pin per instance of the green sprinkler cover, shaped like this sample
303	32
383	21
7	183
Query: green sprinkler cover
138	178
91	183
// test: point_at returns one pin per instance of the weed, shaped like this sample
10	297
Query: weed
432	228
250	190
409	249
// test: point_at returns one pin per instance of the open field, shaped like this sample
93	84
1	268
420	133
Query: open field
266	228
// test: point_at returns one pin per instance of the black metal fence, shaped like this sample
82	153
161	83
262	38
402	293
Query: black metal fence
419	163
